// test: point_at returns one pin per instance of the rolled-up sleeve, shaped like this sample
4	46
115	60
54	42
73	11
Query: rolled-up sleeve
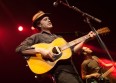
26	44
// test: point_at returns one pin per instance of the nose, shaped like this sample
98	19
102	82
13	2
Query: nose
49	20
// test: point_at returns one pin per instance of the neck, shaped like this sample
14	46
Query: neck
88	56
46	30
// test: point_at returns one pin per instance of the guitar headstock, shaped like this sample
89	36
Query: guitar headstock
103	30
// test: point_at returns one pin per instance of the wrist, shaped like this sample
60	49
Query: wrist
37	50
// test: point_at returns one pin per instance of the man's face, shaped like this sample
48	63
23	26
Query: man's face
45	23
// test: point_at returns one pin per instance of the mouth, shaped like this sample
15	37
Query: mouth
49	23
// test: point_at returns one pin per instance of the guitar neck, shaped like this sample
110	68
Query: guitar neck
83	38
108	71
74	42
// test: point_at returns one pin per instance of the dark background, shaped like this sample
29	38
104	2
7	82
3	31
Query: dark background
67	22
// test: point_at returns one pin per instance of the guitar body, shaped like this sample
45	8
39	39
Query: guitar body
39	65
92	80
97	80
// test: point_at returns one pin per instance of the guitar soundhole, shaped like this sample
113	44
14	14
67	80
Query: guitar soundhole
56	50
57	53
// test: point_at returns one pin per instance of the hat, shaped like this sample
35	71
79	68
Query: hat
37	17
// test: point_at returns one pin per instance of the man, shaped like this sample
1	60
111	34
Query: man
91	69
63	71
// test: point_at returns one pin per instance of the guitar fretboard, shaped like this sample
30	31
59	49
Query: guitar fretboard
74	42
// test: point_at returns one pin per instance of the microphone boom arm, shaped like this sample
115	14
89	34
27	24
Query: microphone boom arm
81	12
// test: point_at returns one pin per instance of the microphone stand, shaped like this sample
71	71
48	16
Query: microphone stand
99	39
87	20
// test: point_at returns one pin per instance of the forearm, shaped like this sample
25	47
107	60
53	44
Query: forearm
78	47
30	51
88	76
33	51
96	75
44	53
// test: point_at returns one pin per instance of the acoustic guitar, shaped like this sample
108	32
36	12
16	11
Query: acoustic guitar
102	78
61	50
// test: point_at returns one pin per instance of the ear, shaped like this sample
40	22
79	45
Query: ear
39	25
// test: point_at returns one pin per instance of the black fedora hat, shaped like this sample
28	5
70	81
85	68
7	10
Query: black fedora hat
37	17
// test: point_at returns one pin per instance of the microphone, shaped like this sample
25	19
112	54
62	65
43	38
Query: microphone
55	4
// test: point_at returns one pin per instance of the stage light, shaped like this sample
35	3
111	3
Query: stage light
20	28
32	28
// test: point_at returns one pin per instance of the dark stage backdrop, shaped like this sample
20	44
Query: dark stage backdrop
67	22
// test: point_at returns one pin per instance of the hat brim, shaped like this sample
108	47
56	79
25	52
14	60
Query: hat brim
34	24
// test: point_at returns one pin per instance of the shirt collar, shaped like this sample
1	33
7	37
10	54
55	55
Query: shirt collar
45	32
